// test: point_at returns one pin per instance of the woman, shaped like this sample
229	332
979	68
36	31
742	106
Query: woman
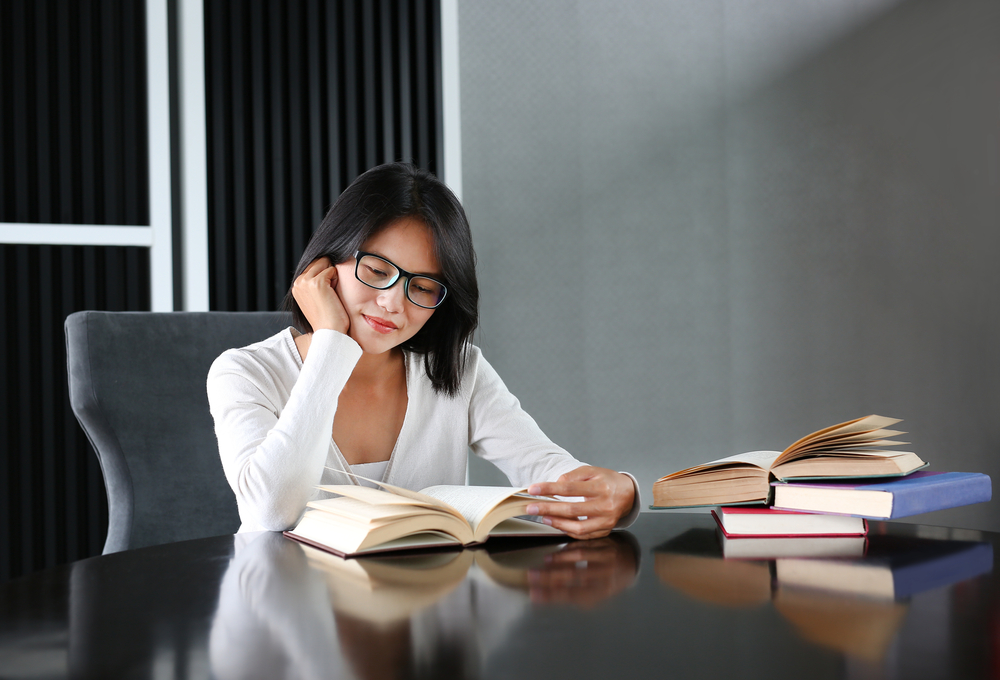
386	298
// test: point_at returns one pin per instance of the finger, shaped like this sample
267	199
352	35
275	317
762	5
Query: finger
316	266
569	487
589	508
329	275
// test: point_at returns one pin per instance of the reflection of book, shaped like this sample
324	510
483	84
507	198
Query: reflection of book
893	567
886	499
385	589
364	520
692	563
792	546
857	448
740	521
510	567
856	627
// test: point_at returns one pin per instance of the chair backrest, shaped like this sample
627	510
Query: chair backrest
137	386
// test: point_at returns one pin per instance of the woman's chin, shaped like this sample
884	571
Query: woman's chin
375	343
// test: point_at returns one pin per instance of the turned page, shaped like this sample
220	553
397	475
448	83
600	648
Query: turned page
473	502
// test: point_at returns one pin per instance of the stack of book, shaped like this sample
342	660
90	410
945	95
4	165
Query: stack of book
822	488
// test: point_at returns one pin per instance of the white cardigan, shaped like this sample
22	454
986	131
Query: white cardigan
274	418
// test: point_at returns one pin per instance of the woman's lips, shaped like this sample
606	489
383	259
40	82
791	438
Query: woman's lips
380	325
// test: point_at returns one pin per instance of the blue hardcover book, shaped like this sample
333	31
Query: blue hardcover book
879	499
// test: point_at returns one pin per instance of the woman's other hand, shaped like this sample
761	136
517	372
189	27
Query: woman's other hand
607	496
316	292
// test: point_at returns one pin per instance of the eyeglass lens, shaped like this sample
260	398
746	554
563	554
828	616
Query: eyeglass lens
378	273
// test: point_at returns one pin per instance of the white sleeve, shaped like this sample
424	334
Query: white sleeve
273	454
501	432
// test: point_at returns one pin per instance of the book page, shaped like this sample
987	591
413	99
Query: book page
473	502
367	513
376	497
870	423
757	459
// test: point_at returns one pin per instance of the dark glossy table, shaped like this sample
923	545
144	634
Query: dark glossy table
657	601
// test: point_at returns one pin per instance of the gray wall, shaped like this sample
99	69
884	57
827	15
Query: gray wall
711	227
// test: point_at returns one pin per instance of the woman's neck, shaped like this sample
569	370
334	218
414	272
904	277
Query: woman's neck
374	368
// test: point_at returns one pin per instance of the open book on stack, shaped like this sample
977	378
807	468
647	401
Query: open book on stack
361	520
863	447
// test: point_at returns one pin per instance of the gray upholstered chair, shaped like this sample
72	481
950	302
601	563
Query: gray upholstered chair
137	386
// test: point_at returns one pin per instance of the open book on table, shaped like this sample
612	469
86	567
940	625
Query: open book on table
858	448
362	520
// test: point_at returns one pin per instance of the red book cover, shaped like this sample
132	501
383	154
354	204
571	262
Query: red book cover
743	522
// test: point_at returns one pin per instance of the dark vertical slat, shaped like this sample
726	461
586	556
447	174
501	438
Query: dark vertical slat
7	461
6	125
45	528
334	98
109	119
133	151
20	77
139	165
263	167
24	512
237	178
277	79
435	151
350	93
92	299
43	148
387	60
216	76
86	130
369	88
58	401
67	113
405	89
298	157
422	90
317	139
114	279
69	266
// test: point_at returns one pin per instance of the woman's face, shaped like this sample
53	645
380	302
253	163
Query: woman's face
384	319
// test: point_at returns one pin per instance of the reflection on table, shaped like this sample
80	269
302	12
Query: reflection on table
287	609
849	594
908	602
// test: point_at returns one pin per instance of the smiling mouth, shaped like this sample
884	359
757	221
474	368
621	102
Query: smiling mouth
380	325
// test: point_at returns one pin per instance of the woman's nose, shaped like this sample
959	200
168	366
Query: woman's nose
392	299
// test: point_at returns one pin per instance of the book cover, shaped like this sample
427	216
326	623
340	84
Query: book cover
757	522
918	493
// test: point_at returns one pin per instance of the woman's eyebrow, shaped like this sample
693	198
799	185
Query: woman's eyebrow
433	275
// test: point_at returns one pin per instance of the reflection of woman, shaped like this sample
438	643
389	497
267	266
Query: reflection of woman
386	296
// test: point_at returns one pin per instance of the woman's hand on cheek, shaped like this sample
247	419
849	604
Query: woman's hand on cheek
316	293
607	496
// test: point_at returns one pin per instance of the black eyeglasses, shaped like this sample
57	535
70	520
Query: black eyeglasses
377	272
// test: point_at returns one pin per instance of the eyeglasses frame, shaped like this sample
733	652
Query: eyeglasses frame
403	274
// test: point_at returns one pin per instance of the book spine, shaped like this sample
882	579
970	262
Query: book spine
949	493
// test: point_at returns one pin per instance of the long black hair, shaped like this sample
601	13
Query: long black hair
374	201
